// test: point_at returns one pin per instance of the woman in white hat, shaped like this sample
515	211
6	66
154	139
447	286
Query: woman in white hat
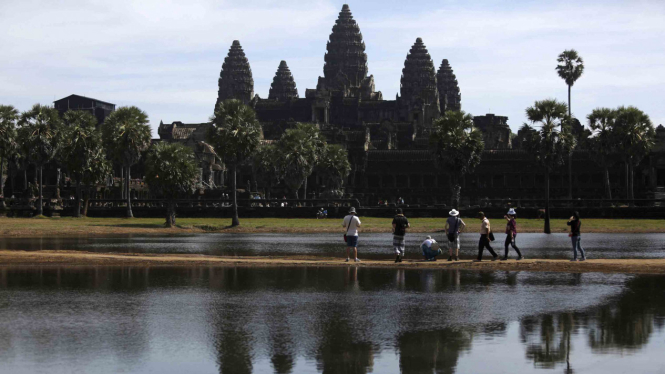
454	225
511	234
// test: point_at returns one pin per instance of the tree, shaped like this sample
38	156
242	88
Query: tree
333	166
126	133
83	153
267	166
300	148
40	133
235	134
8	145
603	142
635	138
549	146
171	170
570	69
458	146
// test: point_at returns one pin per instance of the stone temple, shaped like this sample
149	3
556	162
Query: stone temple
388	140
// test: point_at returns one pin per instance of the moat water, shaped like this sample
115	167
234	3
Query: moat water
331	320
370	245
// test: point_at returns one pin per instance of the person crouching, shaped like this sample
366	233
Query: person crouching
430	249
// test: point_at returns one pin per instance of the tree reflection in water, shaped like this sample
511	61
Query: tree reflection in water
432	351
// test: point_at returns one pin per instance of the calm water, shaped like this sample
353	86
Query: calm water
330	320
370	245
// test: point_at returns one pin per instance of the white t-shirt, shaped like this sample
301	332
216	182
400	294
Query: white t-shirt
351	224
429	242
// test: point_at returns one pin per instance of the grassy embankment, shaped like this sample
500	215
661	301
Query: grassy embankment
104	226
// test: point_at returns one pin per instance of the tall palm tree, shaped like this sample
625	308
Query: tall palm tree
300	148
235	134
570	69
8	145
549	146
636	137
458	146
267	166
82	148
40	132
126	133
333	166
603	142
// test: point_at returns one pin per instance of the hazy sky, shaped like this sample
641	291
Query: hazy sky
165	56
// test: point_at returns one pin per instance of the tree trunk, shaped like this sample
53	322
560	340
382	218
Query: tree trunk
627	182
25	178
122	182
631	187
129	195
570	156
235	221
40	208
304	190
78	199
170	214
608	189
86	201
547	203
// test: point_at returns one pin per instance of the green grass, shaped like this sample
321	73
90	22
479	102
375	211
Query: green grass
76	226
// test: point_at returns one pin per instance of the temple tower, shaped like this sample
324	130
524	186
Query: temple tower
418	87
449	92
235	79
283	86
345	60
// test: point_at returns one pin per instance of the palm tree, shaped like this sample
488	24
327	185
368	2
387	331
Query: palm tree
570	69
235	134
40	131
300	148
458	146
333	166
82	152
603	142
171	170
549	146
636	137
267	166
8	118
126	133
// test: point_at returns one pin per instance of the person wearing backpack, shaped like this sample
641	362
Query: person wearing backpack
454	225
400	224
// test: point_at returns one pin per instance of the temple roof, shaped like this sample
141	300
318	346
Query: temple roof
419	76
449	92
235	79
345	59
283	86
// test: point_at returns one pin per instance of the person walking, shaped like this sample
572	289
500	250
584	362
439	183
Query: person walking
511	234
575	236
351	223
400	224
454	225
430	249
485	230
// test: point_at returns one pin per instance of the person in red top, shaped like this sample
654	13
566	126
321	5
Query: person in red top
511	234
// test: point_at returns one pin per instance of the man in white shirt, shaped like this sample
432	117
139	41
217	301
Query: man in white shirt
351	223
430	249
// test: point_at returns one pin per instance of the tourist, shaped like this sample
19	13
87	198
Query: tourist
454	225
575	226
430	249
511	234
400	224
351	223
485	231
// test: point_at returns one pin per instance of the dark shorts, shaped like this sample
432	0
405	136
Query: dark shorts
351	241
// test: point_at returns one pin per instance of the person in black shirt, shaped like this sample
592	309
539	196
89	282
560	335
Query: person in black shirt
575	236
400	224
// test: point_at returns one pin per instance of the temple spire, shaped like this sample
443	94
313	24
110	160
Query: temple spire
449	92
418	84
345	59
283	86
235	79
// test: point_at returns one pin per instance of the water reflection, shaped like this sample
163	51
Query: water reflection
330	320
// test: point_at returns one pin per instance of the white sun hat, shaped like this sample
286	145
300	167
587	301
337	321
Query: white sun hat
453	213
512	212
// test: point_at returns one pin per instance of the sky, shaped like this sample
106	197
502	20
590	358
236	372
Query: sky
165	56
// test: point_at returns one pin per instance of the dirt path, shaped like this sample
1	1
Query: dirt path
75	258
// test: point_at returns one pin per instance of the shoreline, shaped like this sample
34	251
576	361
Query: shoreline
16	258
